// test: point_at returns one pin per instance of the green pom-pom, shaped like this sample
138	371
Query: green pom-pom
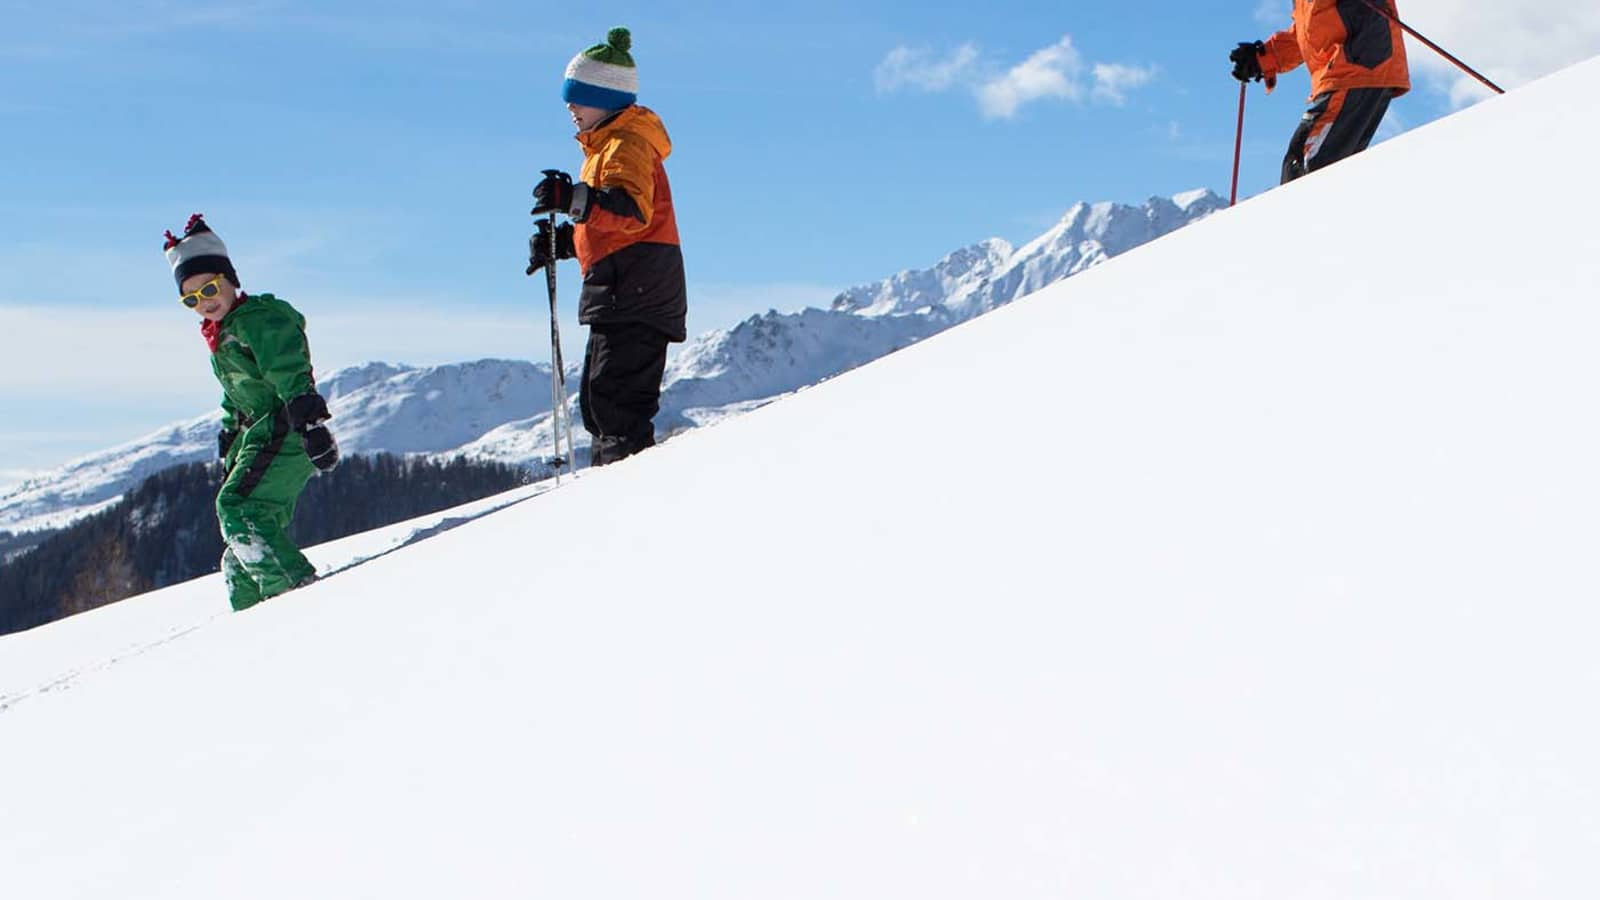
620	39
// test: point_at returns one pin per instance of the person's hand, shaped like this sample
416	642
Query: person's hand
320	446
306	414
307	410
554	193
539	245
1247	60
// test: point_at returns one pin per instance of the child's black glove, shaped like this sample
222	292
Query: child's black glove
557	193
320	446
306	414
1247	60
225	438
539	245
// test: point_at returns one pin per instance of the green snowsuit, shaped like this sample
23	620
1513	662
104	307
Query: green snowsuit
260	355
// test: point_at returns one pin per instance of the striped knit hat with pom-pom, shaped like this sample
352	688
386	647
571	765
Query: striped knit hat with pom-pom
603	76
198	251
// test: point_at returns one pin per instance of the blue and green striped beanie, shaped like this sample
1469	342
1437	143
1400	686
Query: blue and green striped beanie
603	76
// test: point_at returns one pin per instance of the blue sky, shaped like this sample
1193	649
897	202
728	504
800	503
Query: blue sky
372	162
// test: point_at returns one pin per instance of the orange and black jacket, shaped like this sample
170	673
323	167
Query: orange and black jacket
627	241
1344	43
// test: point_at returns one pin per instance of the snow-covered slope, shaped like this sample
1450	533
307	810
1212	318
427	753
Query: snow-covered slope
499	409
1266	586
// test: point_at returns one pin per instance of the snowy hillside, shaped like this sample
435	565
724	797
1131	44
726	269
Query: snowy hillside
1267	585
499	409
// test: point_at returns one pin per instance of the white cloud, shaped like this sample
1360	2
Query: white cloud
1511	43
920	70
1112	81
1057	72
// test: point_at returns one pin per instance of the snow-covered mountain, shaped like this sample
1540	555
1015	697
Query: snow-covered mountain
1286	591
378	407
499	409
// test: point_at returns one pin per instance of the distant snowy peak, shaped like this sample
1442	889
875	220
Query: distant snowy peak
353	378
915	291
992	273
439	408
1189	199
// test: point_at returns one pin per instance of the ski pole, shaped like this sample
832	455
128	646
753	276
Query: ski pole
1238	143
558	379
1392	16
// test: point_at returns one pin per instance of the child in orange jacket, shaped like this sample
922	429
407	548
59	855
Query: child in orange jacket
625	235
1356	53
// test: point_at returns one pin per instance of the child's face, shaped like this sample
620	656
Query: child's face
216	307
586	117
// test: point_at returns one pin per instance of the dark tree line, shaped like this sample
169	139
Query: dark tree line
165	530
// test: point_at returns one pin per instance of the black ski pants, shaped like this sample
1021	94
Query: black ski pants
1337	124
621	390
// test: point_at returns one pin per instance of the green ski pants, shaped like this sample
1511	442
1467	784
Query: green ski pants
269	470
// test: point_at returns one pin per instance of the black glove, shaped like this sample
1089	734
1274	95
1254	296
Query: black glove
1247	60
307	410
554	193
306	413
320	447
539	245
225	438
557	193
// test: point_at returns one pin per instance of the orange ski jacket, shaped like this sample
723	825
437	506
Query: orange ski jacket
1344	43
626	151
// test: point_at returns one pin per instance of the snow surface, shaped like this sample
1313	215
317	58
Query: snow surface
1263	569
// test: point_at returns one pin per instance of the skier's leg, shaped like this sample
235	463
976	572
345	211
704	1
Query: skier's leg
1336	125
1350	127
584	411
254	507
624	367
1294	161
242	590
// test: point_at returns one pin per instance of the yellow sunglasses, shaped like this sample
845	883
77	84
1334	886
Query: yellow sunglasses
203	292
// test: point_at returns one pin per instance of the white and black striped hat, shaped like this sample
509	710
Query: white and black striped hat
199	250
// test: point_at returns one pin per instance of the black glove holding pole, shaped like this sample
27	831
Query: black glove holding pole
557	193
1247	60
539	245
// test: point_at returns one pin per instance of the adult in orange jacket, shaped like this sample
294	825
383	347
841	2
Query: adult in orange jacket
1356	53
625	235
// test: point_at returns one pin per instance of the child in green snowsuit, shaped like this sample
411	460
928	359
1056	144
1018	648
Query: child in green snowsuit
273	438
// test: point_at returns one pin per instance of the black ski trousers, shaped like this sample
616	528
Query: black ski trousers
621	390
1337	124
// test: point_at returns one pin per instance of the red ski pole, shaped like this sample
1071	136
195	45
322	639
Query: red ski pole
1238	143
1432	46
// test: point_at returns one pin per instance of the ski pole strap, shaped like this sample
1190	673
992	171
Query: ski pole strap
1388	13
